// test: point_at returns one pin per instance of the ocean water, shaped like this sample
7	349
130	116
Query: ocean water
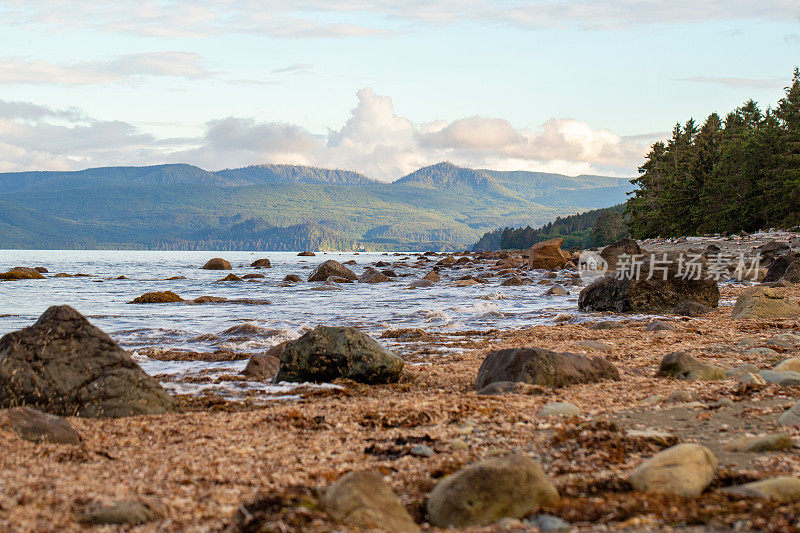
254	328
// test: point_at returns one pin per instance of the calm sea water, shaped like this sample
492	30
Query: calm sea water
293	310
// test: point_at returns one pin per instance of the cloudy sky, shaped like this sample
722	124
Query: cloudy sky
379	87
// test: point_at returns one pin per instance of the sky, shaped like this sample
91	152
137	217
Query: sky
382	88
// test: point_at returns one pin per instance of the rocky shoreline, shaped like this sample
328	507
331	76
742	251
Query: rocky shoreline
491	437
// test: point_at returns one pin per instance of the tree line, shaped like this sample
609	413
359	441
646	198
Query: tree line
740	173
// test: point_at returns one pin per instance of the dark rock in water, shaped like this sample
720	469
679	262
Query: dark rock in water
537	366
254	276
350	262
209	300
331	268
771	251
327	353
691	308
433	276
264	366
556	290
217	263
261	263
389	273
712	249
612	252
371	275
513	281
623	294
175	278
306	254
511	486
231	277
64	365
365	501
292	278
123	514
681	365
660	325
158	297
785	267
21	273
41	270
34	425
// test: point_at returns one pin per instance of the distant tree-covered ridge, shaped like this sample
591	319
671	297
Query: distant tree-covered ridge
283	207
598	227
740	173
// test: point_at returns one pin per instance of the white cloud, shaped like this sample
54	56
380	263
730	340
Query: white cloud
344	18
374	141
20	70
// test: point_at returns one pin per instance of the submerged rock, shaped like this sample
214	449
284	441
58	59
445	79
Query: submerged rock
21	273
537	366
292	278
34	425
217	263
306	254
791	417
331	268
432	276
66	366
513	281
158	297
327	353
231	277
683	470
261	263
512	486
760	302
364	500
372	275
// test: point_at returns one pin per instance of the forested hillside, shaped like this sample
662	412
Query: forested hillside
727	175
598	227
282	207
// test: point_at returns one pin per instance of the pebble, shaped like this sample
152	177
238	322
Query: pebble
422	450
458	445
550	524
560	409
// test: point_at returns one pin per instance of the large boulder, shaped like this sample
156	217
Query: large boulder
612	252
770	251
761	302
791	417
261	263
624	293
682	470
66	366
364	500
785	267
21	273
327	353
547	255
537	366
373	275
158	297
331	268
217	263
681	365
512	486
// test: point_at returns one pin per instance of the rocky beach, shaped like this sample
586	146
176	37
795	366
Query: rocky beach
629	403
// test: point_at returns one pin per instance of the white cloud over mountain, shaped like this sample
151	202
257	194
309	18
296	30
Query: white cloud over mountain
374	141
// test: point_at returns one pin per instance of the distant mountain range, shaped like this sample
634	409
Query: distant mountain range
283	207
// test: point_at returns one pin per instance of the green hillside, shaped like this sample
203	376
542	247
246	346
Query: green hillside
282	207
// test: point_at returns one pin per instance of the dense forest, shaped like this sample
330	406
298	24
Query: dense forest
740	173
737	174
598	227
